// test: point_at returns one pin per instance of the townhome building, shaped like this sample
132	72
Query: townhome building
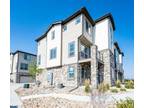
80	48
19	62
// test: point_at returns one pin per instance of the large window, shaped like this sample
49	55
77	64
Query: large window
27	57
53	53
70	72
84	52
24	66
52	35
71	49
88	27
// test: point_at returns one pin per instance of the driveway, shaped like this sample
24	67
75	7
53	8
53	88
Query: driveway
14	98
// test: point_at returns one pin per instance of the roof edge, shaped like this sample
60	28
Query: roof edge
17	51
108	15
50	26
119	50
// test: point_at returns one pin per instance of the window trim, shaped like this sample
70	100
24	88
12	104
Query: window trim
69	44
68	73
53	49
23	66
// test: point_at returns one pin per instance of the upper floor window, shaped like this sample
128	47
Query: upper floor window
84	51
70	72
53	53
65	28
27	57
88	27
24	66
71	49
77	20
52	35
39	59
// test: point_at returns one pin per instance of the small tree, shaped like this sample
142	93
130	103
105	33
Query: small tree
33	69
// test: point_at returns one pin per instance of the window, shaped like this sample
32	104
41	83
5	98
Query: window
84	51
71	49
39	59
77	20
65	28
70	72
24	66
52	35
88	27
27	57
53	53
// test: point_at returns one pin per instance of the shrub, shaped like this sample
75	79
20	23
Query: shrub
87	85
103	87
122	89
114	90
118	84
129	84
128	103
107	86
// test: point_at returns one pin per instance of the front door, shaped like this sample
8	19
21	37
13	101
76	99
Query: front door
85	74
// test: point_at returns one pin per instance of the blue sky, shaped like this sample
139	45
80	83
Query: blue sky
29	19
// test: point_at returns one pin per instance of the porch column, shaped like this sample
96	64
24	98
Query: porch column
94	66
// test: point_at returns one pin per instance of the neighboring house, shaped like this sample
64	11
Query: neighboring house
79	48
19	62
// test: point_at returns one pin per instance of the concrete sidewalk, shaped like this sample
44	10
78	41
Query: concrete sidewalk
14	98
111	97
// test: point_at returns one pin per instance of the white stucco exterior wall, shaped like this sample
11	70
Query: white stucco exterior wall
71	34
102	34
55	43
42	51
15	62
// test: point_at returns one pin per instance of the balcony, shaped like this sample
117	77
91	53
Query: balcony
84	57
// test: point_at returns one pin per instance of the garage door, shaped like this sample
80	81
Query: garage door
26	79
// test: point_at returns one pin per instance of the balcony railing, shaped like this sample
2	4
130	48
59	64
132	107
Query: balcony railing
83	55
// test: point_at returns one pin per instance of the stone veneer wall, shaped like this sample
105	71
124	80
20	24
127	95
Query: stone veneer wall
108	60
94	66
60	75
